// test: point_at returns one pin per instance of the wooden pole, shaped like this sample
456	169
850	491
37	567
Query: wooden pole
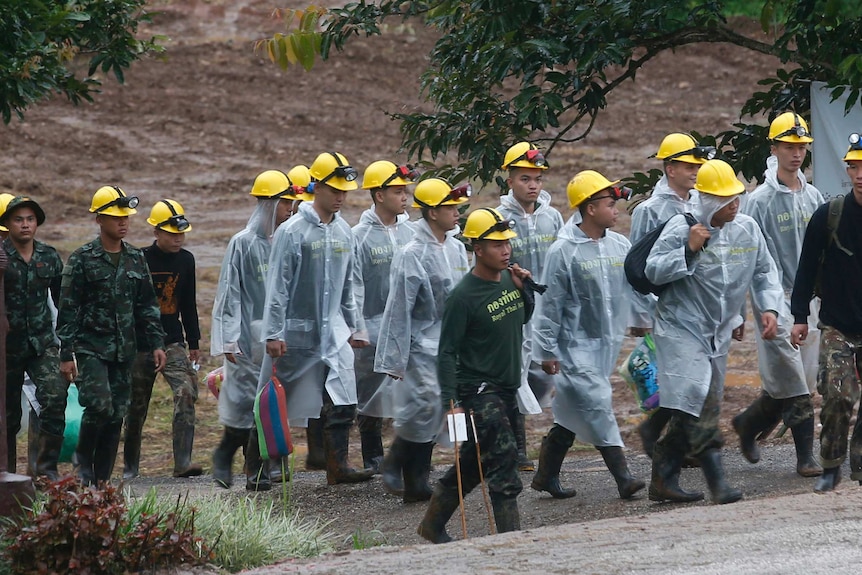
491	525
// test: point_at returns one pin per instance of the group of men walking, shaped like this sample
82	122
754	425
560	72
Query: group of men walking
390	320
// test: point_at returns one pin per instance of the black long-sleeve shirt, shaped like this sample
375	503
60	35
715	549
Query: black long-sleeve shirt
841	279
174	280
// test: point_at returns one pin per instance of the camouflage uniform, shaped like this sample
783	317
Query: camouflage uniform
838	383
100	305
32	344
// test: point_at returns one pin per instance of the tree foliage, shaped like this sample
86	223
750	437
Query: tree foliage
42	42
543	69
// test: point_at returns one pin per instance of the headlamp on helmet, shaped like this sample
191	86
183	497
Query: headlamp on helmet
797	130
501	226
176	220
699	152
524	155
854	152
616	193
342	170
122	202
535	157
406	172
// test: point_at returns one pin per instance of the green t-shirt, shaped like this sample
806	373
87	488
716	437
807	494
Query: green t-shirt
480	338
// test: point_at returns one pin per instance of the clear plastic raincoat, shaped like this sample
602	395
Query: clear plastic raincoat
423	274
783	217
310	307
581	321
237	314
648	215
374	245
536	232
696	314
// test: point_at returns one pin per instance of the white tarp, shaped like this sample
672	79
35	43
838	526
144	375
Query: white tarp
830	128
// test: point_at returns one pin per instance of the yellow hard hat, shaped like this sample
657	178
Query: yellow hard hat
113	201
488	224
383	173
333	169
717	178
586	184
299	179
790	127
270	184
524	155
170	216
679	147
5	198
436	192
854	152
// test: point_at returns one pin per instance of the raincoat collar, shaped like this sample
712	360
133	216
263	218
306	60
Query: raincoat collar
771	175
543	203
307	212
572	232
423	232
370	217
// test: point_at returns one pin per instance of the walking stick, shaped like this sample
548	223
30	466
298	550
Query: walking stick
491	524
458	475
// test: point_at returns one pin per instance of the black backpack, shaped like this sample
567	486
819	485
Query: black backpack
635	264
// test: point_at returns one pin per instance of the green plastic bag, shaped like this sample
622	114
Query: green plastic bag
74	412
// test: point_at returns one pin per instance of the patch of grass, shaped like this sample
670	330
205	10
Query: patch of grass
360	539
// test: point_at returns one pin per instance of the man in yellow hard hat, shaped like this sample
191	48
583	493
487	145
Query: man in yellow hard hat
578	331
423	273
709	267
782	206
830	265
106	292
673	194
173	271
536	223
236	319
479	370
382	230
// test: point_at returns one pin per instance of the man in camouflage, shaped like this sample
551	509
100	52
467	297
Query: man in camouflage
106	290
34	268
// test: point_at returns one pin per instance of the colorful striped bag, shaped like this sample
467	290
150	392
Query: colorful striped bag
270	416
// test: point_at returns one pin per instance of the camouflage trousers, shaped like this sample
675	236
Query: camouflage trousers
838	383
495	415
181	378
51	390
103	389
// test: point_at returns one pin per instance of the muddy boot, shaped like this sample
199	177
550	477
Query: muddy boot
650	429
258	469
506	515
520	430
49	455
554	448
279	470
764	413
372	450
232	440
443	504
803	437
184	438
713	470
315	460
615	459
338	470
105	454
829	480
88	435
664	485
131	453
393	467
417	467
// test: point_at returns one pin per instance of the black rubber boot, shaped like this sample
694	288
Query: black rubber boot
34	429
372	450
650	429
88	435
761	415
664	485
803	438
131	454
554	448
393	467
829	480
232	439
184	439
279	470
520	430
417	467
315	460
49	455
105	454
12	453
615	459
506	515
713	470
338	470
258	469
443	504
